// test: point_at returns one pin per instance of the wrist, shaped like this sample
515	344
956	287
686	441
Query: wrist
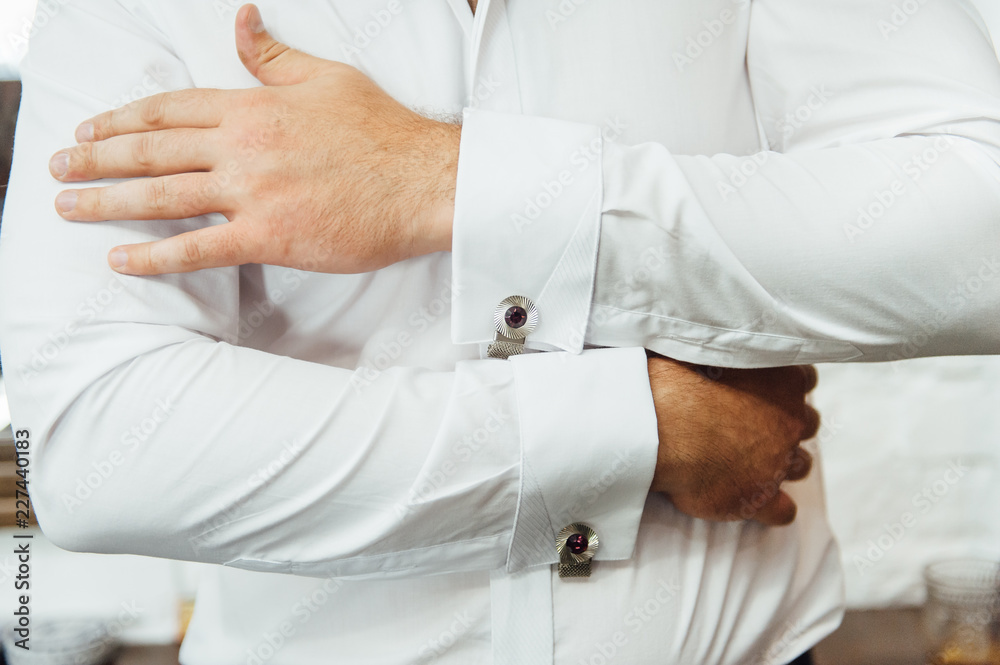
660	476
434	232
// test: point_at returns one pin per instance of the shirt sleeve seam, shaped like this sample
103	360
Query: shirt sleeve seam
711	327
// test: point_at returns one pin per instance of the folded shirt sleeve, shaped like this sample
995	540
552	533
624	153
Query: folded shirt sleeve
865	231
153	433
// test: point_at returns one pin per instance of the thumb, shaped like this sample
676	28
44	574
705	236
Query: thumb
272	62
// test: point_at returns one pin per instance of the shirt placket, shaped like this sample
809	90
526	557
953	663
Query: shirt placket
521	602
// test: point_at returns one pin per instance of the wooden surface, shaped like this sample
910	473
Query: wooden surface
10	97
8	484
148	655
874	637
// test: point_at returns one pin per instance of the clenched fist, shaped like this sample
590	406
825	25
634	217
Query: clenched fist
730	437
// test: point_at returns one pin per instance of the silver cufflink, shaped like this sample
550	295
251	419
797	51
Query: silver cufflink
514	319
576	544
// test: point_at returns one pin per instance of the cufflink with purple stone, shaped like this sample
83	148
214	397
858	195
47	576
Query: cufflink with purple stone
513	320
576	544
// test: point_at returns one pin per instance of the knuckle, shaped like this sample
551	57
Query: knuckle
232	251
201	197
144	258
157	195
337	67
143	150
191	253
107	125
256	97
85	157
102	202
151	110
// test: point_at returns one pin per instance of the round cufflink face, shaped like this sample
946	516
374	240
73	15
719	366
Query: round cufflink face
577	543
515	317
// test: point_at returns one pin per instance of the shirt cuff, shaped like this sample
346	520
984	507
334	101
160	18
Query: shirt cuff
527	222
589	443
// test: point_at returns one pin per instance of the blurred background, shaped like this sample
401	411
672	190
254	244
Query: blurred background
912	466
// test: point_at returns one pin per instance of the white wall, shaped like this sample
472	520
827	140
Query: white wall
139	597
913	469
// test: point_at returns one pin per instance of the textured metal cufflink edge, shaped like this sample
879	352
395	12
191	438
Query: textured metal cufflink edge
513	320
574	561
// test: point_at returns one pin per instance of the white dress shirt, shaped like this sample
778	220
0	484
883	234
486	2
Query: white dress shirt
344	431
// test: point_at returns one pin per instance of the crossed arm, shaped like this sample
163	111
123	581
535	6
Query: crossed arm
163	348
341	178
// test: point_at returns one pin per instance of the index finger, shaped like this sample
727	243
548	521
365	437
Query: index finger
195	108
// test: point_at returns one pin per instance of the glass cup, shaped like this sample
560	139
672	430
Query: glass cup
962	615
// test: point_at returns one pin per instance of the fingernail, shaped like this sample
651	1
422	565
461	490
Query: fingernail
59	164
66	201
118	258
255	21
85	132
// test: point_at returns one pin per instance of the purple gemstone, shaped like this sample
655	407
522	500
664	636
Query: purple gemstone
577	543
515	317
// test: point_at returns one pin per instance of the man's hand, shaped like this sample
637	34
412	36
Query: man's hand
319	170
729	438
